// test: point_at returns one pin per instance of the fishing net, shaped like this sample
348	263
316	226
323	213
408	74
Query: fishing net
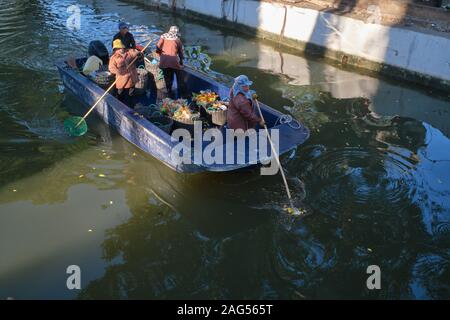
75	126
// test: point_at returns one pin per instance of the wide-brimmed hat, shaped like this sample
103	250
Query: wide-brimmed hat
242	80
117	44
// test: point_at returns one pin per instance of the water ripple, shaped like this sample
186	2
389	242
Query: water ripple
362	176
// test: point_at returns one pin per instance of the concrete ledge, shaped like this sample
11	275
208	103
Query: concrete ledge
399	53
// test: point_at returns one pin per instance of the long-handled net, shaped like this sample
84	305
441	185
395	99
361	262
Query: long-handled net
76	126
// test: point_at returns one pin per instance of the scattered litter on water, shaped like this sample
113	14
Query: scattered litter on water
111	202
370	250
90	230
81	176
101	175
14	190
295	211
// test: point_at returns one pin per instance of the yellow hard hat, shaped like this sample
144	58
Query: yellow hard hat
117	44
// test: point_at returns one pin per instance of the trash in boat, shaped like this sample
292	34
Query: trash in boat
103	78
184	114
211	107
205	98
169	106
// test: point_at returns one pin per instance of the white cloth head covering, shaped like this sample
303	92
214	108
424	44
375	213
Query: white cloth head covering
173	34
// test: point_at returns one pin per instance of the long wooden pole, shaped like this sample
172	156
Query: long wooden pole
277	158
110	87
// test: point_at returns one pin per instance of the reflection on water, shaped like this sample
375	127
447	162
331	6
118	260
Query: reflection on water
373	176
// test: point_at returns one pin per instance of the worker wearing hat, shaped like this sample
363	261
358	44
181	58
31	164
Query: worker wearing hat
241	114
121	65
125	36
170	49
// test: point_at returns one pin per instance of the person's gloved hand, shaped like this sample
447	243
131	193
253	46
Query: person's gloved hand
254	96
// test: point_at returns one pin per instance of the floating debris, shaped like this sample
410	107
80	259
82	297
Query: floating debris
14	190
370	250
101	175
81	176
294	211
90	230
111	202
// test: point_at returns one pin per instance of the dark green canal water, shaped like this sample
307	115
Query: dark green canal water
374	177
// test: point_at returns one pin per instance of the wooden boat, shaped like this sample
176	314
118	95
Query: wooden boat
159	144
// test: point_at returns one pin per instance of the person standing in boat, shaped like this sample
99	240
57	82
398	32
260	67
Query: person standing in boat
241	114
125	36
126	74
170	49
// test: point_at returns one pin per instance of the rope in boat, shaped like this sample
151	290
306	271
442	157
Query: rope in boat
289	120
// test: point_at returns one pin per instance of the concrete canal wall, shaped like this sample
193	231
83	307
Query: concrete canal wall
364	36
